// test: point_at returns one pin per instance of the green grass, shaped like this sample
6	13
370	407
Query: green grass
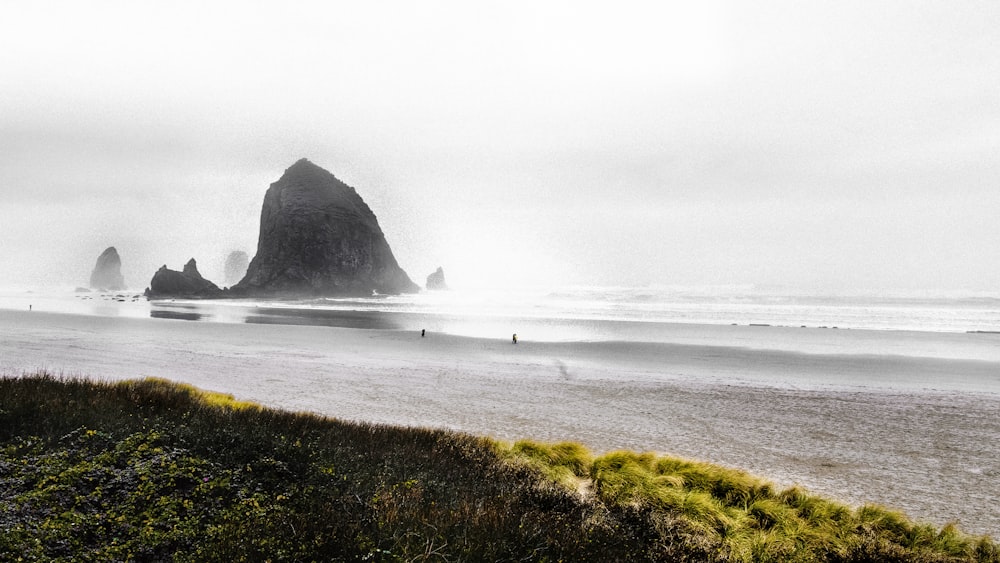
151	471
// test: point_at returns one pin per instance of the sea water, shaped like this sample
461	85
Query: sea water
556	314
936	325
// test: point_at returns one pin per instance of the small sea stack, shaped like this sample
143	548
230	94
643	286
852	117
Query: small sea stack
186	283
236	266
435	281
107	274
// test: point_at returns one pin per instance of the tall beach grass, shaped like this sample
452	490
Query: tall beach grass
150	470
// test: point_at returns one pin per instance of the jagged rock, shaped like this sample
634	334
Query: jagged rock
236	266
436	280
318	237
107	274
187	283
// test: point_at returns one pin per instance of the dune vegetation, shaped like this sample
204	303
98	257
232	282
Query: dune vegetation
150	470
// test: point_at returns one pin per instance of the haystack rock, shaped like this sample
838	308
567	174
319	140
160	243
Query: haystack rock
436	280
236	266
318	237
107	274
187	283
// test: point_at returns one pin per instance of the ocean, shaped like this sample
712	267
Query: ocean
952	326
556	314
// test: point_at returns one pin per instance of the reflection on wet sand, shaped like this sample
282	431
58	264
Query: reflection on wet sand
323	317
178	315
374	320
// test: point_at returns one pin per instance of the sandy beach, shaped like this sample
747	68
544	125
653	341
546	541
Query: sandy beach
911	431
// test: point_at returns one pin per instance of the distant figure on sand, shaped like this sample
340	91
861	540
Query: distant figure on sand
422	332
515	338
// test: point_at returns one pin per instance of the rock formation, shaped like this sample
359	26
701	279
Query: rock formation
236	266
107	274
436	280
318	237
188	283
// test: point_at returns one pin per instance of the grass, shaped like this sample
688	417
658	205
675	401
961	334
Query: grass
152	470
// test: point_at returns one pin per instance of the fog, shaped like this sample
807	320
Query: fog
826	146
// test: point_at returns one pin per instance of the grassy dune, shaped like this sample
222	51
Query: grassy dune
151	470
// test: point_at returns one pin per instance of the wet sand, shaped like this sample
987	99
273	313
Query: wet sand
915	433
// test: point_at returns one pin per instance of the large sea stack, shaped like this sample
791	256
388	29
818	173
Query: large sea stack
107	274
187	283
318	237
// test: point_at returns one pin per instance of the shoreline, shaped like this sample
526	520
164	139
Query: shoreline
819	420
630	315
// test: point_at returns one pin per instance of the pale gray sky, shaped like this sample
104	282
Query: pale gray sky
847	145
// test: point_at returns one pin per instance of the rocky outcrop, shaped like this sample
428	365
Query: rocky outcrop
107	274
186	283
436	280
318	237
236	266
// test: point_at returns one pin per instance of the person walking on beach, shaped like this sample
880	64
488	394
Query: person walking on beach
515	338
422	332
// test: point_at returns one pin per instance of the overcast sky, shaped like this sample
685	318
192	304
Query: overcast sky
829	146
